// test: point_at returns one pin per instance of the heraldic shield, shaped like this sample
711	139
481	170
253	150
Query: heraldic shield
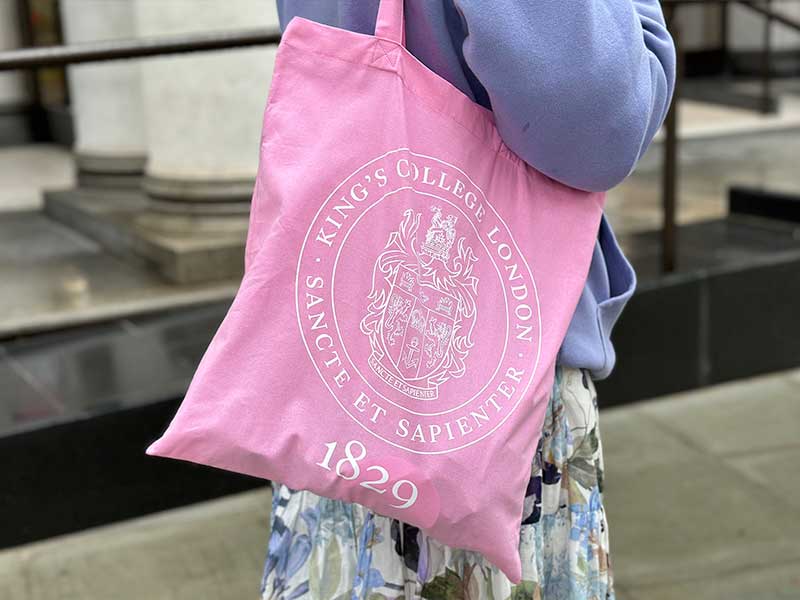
408	284
422	311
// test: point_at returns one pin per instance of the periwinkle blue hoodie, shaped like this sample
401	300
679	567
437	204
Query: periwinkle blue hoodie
578	89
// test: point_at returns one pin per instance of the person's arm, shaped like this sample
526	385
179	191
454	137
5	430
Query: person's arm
578	87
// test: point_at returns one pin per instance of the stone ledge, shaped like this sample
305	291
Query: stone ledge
184	249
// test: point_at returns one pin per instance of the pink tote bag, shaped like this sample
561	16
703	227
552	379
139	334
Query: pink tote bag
409	281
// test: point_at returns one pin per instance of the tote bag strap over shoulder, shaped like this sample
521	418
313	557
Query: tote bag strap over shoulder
390	24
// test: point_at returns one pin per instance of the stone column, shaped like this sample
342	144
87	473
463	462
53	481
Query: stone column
14	92
700	27
203	110
106	97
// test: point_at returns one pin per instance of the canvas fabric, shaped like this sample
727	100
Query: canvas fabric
408	283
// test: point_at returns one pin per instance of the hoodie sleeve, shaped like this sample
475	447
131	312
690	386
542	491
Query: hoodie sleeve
578	88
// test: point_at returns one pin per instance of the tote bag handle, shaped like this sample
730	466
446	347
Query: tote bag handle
390	24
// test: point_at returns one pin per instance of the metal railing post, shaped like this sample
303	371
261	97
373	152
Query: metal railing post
766	61
670	170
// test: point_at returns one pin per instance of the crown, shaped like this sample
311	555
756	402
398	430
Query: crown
440	236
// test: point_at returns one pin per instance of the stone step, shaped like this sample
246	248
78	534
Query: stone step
185	248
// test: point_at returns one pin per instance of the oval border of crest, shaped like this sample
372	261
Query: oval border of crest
301	255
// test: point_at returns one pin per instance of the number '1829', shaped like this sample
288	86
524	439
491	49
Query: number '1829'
348	468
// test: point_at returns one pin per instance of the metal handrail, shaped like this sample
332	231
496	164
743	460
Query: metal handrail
30	58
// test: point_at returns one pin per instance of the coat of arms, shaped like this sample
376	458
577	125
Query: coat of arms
422	306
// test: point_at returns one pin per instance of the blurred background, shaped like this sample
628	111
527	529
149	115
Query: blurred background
129	134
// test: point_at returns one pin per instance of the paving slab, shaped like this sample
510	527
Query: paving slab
637	442
13	581
780	582
622	593
702	492
212	551
678	513
778	471
794	378
739	417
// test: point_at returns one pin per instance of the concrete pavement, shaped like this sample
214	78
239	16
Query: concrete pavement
703	492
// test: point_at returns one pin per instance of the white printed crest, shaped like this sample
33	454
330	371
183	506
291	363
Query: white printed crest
417	308
421	309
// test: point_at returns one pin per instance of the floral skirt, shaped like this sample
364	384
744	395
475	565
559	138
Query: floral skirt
325	549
